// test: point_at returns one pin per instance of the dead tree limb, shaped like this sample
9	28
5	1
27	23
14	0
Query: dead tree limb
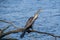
6	28
9	23
21	29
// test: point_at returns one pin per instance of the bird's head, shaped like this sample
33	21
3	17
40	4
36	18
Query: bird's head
36	16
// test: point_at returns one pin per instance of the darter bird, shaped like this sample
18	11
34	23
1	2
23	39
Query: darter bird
29	23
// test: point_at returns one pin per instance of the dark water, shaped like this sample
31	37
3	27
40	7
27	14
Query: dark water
18	11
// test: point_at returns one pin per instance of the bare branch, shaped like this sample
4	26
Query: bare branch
5	21
6	28
45	33
9	23
21	30
10	32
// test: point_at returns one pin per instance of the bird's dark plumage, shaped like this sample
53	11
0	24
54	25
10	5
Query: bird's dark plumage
27	26
29	23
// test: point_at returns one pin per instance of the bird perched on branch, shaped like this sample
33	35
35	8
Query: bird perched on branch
29	23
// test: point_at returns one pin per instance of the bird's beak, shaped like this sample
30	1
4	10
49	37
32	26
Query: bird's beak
36	14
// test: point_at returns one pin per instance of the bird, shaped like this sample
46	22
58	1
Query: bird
29	23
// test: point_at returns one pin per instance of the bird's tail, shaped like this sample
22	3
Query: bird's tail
22	35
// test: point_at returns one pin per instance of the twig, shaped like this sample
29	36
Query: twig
9	23
6	28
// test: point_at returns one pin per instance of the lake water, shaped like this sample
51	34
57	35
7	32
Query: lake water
18	12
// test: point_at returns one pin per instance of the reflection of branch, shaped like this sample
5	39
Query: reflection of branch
9	23
21	29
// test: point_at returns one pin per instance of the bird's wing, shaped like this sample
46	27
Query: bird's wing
28	22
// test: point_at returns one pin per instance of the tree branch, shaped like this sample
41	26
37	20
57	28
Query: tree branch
6	28
9	23
21	30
